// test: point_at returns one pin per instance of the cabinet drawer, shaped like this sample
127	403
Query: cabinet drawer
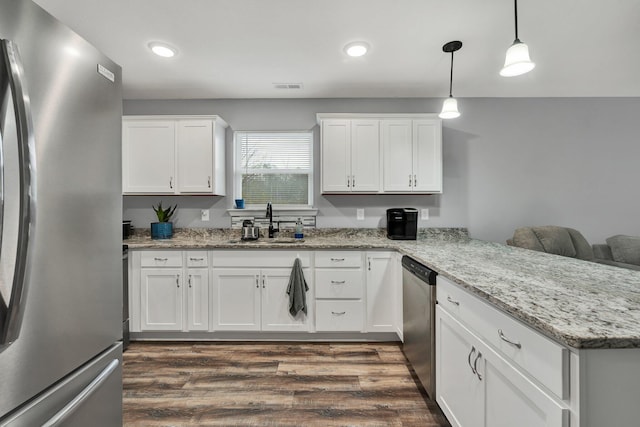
339	259
161	259
544	359
339	315
339	283
197	258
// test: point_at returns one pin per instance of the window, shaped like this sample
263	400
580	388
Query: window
274	167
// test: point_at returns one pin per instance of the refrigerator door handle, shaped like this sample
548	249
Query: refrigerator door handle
59	418
12	75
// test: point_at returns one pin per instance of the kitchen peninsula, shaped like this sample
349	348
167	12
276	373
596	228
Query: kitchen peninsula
589	312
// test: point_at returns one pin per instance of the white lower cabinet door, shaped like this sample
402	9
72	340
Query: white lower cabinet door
275	302
511	399
197	299
161	299
236	299
381	292
459	391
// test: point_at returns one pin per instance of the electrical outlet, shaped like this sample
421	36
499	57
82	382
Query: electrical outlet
360	214
424	214
204	215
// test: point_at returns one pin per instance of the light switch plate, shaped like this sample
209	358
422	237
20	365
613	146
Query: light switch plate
424	214
360	214
204	215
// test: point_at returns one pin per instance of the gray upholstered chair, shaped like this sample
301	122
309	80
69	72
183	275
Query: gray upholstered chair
554	240
620	251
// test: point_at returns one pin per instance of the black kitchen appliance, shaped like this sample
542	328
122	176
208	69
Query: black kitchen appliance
402	223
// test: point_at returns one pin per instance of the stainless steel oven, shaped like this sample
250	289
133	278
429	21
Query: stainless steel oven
419	304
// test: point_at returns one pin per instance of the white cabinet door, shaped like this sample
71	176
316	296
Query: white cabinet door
195	156
365	156
236	299
459	391
336	156
397	152
275	302
148	156
381	292
197	299
513	400
161	301
427	156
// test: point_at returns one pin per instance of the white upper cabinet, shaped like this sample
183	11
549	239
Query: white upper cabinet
148	156
412	153
381	153
173	155
350	156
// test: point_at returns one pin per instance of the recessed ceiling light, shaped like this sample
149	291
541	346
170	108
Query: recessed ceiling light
162	49
356	48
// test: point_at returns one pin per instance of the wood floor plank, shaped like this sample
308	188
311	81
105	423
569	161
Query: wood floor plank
273	384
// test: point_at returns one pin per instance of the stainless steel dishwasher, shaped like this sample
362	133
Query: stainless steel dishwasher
419	302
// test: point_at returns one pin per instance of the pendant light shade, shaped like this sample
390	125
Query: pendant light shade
450	105
517	60
449	109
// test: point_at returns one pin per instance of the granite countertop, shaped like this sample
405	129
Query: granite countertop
579	303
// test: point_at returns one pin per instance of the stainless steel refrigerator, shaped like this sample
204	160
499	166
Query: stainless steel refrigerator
60	225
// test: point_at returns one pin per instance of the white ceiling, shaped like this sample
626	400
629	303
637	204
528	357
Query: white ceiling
239	48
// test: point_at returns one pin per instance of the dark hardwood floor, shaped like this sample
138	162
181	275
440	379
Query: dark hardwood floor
273	384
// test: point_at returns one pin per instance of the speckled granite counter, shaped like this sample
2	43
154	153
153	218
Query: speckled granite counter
579	303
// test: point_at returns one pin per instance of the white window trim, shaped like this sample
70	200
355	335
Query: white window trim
237	175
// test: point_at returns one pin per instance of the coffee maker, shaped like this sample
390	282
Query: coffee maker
402	223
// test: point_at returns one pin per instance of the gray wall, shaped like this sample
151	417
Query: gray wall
508	162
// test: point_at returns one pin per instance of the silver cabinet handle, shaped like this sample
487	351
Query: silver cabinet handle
415	181
257	283
60	417
353	181
348	182
340	313
369	262
338	282
471	352
170	182
475	366
409	180
452	301
263	279
337	259
160	259
209	182
196	259
507	340
178	280
189	280
12	75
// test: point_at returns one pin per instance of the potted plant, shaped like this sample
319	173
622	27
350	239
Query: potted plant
163	229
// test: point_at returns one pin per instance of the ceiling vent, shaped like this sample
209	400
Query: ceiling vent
287	85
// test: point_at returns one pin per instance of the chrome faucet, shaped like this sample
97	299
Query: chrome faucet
272	230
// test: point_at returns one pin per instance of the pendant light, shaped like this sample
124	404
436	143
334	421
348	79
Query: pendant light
450	105
517	61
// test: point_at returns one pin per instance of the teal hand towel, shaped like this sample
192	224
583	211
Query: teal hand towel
297	289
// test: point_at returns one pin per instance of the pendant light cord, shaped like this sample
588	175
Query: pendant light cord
451	78
515	9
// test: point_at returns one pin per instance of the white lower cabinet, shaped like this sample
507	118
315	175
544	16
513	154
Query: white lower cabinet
254	299
172	296
161	299
476	386
382	283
